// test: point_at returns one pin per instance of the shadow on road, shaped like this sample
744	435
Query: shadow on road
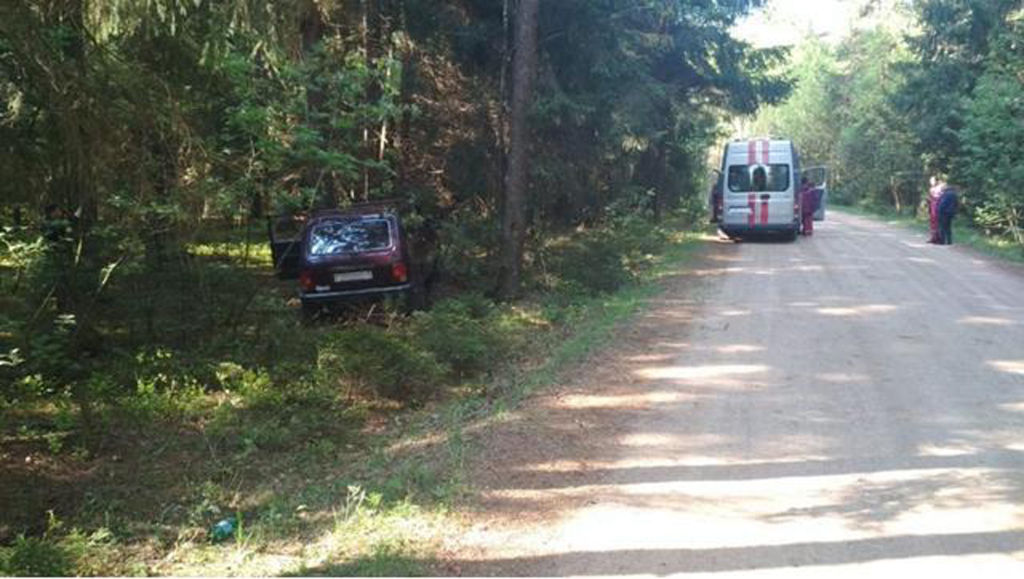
831	381
662	562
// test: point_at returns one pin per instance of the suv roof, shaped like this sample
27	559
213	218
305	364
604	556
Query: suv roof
381	207
366	214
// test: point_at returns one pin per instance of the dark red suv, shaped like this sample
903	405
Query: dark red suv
345	255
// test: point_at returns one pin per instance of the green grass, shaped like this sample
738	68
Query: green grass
59	553
590	326
963	232
252	254
243	416
385	559
600	316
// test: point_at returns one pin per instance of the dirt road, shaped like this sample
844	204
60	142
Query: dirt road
850	404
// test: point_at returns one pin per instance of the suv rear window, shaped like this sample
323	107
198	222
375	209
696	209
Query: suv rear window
341	236
758	177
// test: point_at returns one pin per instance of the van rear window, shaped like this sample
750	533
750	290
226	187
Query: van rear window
744	178
341	236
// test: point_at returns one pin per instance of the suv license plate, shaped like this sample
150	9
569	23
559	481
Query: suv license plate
353	276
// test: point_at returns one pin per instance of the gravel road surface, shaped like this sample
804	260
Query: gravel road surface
851	404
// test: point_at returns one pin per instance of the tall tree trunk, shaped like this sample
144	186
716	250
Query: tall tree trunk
75	186
506	54
406	90
311	29
513	222
373	41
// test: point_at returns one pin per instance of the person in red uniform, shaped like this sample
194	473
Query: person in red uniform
808	205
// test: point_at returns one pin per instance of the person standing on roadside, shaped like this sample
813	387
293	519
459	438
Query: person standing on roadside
945	209
808	205
716	200
937	187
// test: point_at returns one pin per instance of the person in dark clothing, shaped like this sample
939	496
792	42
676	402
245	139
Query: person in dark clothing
808	205
716	201
946	209
760	178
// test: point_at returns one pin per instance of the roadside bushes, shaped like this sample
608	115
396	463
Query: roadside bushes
32	556
459	339
466	334
257	412
603	260
465	337
59	552
383	362
591	265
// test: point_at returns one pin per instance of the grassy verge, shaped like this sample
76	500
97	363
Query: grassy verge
322	455
600	317
963	232
591	328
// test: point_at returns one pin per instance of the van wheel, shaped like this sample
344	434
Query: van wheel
792	235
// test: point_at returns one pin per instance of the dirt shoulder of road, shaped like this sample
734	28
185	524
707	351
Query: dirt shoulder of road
697	442
531	468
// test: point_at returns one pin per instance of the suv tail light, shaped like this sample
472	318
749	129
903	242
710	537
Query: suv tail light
306	281
399	272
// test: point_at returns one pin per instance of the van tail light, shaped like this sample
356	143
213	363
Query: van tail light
306	281
399	272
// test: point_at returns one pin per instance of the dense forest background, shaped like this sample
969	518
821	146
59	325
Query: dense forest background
155	375
919	89
149	118
543	153
152	126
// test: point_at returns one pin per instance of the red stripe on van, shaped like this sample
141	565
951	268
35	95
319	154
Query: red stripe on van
751	205
751	152
764	212
767	148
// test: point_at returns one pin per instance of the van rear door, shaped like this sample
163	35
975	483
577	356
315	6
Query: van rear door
759	186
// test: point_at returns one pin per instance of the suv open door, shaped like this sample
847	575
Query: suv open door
818	176
285	236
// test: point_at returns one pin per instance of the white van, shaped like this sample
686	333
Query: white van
759	188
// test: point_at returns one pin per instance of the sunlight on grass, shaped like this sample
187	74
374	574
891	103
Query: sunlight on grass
254	253
272	439
396	541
